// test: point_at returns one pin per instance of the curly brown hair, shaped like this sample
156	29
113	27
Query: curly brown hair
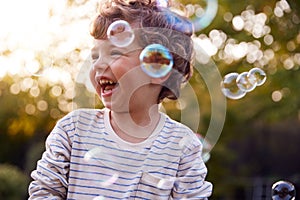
156	25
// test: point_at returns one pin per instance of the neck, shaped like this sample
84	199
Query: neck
135	126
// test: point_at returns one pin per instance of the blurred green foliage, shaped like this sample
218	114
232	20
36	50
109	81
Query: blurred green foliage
13	183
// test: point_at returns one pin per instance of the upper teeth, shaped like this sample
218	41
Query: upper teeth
104	81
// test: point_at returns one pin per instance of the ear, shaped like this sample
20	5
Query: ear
160	80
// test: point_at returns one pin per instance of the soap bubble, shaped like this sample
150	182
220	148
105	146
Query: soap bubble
244	83
162	3
110	181
161	183
283	190
257	75
206	147
229	87
92	153
156	60
99	198
120	33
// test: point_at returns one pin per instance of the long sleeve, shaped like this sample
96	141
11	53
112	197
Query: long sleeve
50	179
165	166
191	175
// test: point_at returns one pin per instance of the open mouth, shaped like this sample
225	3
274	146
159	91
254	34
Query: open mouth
107	86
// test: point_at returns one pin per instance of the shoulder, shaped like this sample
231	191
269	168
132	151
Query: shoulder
82	114
186	137
80	119
177	127
78	122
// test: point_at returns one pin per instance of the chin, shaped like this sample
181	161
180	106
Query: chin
107	105
117	108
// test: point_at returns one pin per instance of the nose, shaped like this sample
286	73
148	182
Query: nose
98	68
100	64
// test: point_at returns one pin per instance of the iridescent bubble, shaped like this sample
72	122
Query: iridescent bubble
205	157
156	60
283	190
120	33
230	88
244	83
206	147
257	75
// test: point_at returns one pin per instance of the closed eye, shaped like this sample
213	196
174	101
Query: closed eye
116	53
94	57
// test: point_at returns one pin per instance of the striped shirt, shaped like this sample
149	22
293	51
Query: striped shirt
85	159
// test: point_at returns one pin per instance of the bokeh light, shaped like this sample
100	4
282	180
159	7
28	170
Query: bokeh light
47	48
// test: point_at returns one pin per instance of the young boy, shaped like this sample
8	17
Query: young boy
128	150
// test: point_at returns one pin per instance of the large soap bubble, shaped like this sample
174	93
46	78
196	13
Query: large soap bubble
120	33
156	60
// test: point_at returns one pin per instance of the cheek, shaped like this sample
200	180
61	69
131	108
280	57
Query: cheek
92	74
121	69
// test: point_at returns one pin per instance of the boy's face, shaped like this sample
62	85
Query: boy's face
117	76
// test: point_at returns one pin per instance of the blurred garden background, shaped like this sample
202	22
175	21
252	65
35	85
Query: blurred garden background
44	46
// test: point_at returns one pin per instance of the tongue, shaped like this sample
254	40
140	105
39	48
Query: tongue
109	87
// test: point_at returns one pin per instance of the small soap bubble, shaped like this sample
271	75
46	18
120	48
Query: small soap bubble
183	142
110	181
161	183
283	190
92	153
120	33
99	198
257	75
244	83
206	147
156	60
205	157
229	87
162	3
